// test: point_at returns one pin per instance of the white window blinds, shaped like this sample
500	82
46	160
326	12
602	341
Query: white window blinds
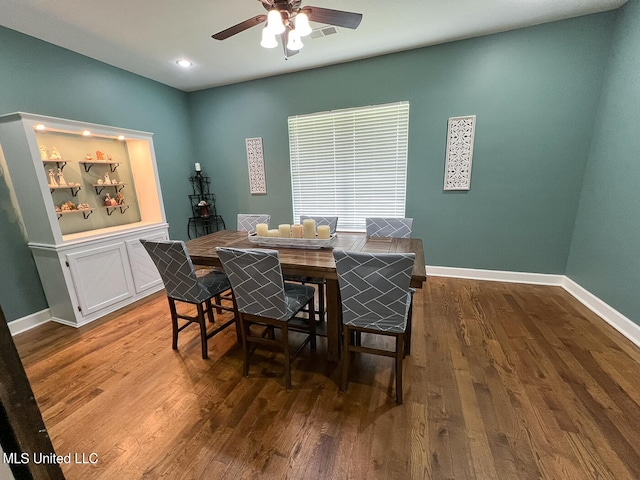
351	163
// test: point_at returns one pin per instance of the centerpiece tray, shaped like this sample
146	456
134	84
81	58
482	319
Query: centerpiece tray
309	243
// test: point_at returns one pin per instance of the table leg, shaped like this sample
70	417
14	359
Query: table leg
333	321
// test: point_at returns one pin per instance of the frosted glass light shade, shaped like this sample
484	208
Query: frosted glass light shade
274	22
268	39
294	42
302	24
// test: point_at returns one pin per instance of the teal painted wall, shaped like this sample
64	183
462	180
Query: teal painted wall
535	93
605	252
40	78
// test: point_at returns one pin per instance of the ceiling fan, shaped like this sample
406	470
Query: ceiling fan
290	20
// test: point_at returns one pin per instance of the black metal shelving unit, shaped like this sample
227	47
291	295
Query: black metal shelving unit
205	218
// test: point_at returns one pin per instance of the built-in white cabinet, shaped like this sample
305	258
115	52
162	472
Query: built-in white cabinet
85	194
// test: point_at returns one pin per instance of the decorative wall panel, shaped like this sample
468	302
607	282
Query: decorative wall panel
460	135
255	159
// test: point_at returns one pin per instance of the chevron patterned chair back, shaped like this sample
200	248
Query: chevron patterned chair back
262	297
376	298
247	222
389	227
181	283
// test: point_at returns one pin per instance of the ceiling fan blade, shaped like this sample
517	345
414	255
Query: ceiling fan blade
241	27
338	18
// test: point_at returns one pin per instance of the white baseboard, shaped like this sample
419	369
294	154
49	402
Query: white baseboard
624	325
496	275
30	321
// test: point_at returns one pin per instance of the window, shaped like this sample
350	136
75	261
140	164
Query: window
351	163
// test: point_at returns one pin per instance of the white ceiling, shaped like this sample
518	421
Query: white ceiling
148	36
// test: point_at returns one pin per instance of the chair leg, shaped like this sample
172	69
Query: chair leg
209	310
399	358
287	356
312	326
321	303
244	332
218	301
174	323
203	332
346	335
407	343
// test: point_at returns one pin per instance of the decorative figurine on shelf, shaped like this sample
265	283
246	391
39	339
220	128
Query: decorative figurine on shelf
203	207
68	207
120	199
107	180
55	155
61	180
52	179
88	157
114	181
109	158
84	206
110	202
43	153
100	181
99	155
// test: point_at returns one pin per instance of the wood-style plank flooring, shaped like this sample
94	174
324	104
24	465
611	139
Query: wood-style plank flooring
504	381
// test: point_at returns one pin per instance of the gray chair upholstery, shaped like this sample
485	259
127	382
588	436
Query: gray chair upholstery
182	284
331	221
262	297
247	222
376	298
389	227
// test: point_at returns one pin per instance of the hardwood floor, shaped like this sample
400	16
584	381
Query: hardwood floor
504	381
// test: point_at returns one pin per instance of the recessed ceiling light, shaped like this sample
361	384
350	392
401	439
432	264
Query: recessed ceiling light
184	63
120	137
86	133
40	127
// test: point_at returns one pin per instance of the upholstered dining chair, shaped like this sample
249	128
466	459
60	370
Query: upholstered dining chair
263	298
389	227
183	285
247	222
374	288
320	283
331	221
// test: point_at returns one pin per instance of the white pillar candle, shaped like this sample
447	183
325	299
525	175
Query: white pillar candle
296	230
309	228
262	230
198	167
284	230
274	232
324	232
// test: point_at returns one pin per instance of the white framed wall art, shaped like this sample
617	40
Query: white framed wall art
255	160
459	155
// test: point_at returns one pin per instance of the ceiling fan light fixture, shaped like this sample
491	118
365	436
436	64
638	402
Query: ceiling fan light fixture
294	42
274	22
302	24
268	39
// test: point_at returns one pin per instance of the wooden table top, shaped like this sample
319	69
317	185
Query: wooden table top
316	263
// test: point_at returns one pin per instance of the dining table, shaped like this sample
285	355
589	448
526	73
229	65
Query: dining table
317	263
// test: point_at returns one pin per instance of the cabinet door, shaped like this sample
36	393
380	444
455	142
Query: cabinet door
101	276
145	273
